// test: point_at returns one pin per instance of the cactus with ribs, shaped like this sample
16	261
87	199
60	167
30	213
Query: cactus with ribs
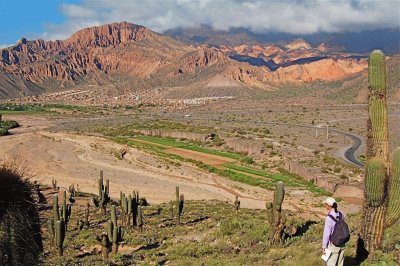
274	214
382	179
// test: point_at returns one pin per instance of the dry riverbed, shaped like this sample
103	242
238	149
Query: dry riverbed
74	158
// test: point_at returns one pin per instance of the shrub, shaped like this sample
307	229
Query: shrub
247	160
20	239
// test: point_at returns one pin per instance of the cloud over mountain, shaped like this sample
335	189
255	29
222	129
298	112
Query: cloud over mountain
298	17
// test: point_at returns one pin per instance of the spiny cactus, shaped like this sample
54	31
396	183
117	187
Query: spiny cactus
115	233
101	186
60	235
56	212
279	195
54	183
104	197
129	210
124	207
382	181
181	204
66	210
274	213
139	221
270	213
177	204
135	204
237	203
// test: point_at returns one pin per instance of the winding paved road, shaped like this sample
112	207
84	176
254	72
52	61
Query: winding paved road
349	153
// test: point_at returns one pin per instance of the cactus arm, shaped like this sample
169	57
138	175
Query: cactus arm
270	213
109	230
393	211
60	235
279	195
375	182
56	212
114	215
100	187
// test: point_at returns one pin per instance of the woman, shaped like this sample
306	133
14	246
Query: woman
337	256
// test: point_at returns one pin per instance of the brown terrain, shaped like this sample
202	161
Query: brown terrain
75	158
135	63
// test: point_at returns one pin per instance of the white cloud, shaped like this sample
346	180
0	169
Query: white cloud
290	16
2	46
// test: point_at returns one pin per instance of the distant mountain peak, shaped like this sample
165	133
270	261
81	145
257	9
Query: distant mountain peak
110	34
298	43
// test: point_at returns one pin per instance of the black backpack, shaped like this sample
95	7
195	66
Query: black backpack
340	234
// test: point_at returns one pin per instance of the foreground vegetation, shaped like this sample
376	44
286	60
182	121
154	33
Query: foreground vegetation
210	233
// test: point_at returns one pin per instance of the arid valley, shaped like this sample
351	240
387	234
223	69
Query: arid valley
200	145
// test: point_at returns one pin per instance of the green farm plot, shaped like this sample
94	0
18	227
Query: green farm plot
188	146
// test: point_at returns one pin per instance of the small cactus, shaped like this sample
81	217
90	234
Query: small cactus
177	202
181	204
103	198
129	210
54	184
115	233
237	204
135	204
140	222
274	214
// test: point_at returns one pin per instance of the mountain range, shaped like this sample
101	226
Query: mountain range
387	39
132	62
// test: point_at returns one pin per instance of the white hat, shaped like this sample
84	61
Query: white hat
330	201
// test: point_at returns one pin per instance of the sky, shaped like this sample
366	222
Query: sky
58	19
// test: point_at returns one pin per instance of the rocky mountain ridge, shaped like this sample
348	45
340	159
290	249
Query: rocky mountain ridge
127	58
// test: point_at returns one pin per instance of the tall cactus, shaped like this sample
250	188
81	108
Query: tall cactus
236	203
135	204
274	214
66	210
104	197
177	204
139	221
129	210
115	233
382	181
